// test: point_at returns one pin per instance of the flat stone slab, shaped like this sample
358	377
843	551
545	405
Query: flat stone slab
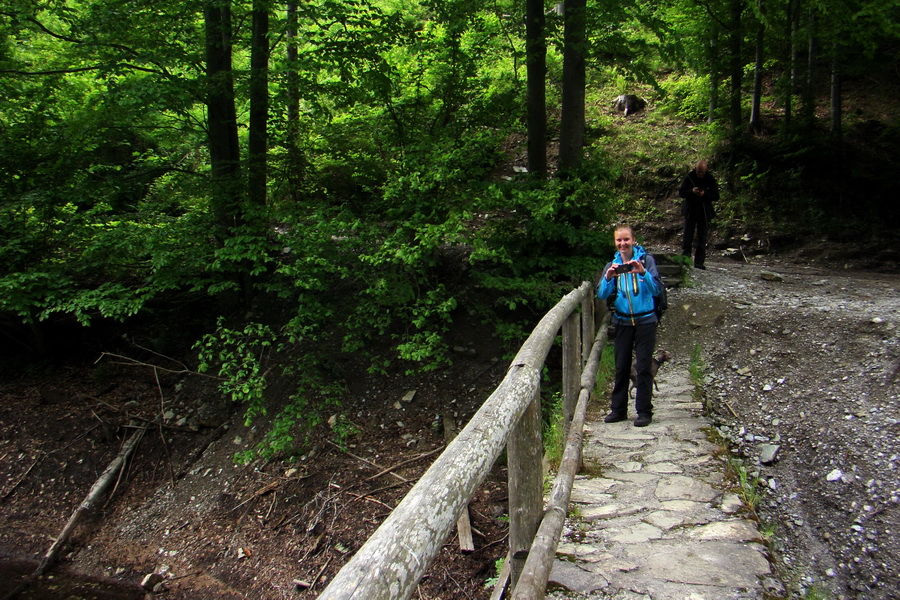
679	487
666	519
638	534
629	467
665	468
608	511
719	564
574	578
735	530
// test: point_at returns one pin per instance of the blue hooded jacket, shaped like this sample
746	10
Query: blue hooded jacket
634	293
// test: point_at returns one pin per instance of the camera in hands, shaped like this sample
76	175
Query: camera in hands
626	268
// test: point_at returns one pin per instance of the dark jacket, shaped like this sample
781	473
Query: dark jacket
695	205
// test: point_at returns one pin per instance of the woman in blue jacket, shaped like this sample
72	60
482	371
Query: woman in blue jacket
634	279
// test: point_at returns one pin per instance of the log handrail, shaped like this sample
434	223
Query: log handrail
391	562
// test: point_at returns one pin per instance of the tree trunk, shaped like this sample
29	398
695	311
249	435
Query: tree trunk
793	26
295	161
836	85
737	65
714	76
755	116
536	60
224	152
809	88
257	141
571	135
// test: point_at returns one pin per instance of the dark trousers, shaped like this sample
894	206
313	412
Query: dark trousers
695	220
639	340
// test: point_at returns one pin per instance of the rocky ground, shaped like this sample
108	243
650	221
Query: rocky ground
801	366
802	375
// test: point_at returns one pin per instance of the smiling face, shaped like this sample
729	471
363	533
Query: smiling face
624	238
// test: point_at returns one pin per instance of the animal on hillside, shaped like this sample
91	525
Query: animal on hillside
629	103
655	363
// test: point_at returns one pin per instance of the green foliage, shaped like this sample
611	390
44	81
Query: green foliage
687	96
606	371
498	568
343	429
686	263
393	213
541	240
241	359
816	592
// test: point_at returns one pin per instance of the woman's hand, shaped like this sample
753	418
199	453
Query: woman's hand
638	267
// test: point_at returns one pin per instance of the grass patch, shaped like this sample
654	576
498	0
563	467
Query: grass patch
554	433
697	371
748	485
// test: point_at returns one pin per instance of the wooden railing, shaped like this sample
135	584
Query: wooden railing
389	565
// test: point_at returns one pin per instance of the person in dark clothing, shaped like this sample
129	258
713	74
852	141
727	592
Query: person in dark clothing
633	277
699	190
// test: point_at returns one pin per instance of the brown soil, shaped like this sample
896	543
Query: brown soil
216	529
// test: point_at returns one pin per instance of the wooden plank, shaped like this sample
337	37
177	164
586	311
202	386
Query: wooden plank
588	330
502	584
463	524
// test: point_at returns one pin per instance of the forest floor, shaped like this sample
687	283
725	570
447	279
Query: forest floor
801	349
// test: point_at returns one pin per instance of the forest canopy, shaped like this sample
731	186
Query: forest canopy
347	175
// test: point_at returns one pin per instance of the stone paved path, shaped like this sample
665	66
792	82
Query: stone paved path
655	521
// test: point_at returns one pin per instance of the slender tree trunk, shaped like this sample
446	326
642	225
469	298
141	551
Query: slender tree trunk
295	161
536	61
809	88
224	152
737	65
836	88
793	25
257	142
571	135
755	116
714	74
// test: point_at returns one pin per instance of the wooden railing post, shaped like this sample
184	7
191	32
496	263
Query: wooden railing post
525	476
571	366
588	326
536	573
